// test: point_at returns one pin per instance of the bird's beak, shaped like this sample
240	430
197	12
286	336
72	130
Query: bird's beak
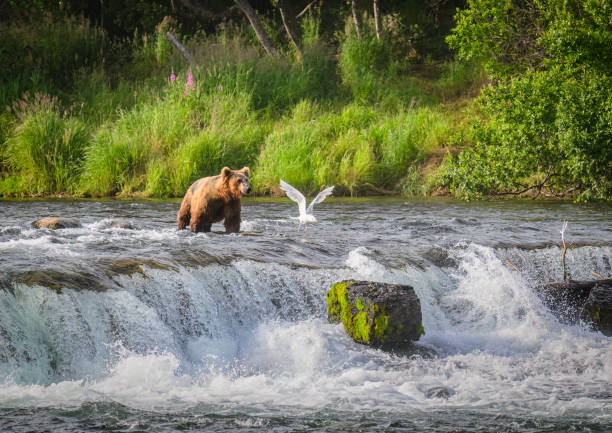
316	220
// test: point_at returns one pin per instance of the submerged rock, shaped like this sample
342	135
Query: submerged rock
54	223
598	309
377	314
439	392
117	224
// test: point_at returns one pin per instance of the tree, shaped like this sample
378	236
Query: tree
548	118
263	37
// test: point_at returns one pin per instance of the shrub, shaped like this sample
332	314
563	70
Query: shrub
547	130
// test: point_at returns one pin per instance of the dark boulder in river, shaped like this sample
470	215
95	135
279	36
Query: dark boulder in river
589	301
598	308
54	223
381	315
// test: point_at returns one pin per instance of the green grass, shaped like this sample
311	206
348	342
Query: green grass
46	152
118	126
359	149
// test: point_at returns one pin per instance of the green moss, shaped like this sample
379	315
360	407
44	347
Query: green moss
359	304
361	328
421	330
381	326
337	301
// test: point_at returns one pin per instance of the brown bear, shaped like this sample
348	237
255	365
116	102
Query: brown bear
211	199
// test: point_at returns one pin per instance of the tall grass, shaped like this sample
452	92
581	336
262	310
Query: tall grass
46	152
358	149
187	136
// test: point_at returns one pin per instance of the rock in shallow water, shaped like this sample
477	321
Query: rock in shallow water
589	301
56	223
377	314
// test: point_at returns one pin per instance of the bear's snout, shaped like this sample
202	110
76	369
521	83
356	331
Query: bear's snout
248	189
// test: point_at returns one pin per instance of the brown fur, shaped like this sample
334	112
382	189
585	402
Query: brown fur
212	199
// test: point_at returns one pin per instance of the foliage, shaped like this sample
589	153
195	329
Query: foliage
45	54
364	115
543	131
547	121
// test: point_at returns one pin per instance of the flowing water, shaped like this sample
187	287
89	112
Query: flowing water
126	324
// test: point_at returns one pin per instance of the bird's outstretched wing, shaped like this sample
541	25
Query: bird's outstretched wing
294	195
319	198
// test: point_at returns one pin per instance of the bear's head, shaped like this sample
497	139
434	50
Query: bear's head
237	181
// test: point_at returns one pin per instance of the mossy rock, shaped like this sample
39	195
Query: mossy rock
598	309
377	314
55	223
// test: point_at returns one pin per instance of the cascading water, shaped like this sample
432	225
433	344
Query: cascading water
129	324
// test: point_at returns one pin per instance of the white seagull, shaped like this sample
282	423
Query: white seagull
306	215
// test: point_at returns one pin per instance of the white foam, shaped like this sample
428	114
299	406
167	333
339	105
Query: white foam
253	334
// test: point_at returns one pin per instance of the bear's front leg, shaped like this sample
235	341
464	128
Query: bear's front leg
232	218
199	222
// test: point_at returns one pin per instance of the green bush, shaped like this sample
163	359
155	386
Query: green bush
547	120
546	130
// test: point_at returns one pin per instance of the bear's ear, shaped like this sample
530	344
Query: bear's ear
225	172
246	171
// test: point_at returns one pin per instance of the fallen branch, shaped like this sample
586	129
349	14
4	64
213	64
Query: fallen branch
512	266
538	186
184	51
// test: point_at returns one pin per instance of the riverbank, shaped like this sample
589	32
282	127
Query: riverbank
140	122
131	118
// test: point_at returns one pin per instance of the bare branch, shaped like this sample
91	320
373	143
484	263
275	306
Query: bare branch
184	51
356	19
564	248
298	16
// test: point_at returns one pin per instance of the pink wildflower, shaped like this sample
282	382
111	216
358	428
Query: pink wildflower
220	87
172	77
190	81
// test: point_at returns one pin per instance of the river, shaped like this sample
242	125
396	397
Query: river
126	324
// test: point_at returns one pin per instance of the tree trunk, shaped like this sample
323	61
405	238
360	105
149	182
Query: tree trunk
263	37
356	18
377	22
291	26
